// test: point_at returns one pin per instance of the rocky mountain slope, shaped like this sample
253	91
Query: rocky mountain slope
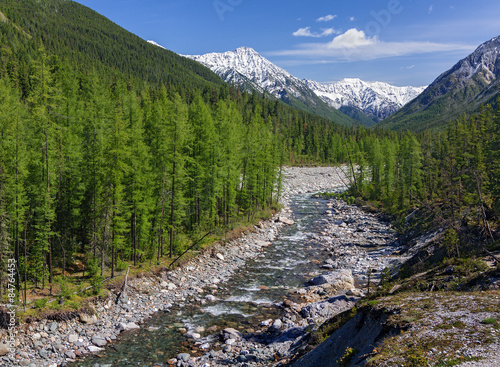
377	100
365	102
248	69
473	81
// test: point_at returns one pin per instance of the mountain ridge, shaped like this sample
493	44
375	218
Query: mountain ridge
246	67
472	81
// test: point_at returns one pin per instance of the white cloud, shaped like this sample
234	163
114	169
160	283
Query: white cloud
326	18
352	39
352	19
306	32
355	45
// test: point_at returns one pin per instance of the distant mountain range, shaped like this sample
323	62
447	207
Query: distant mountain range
252	72
363	101
462	89
377	100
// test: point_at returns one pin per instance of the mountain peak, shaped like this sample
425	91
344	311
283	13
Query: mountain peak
246	67
377	100
471	82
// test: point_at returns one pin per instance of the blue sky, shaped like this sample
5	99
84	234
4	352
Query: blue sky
402	42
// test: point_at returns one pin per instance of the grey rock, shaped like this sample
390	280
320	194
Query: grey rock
121	326
99	341
277	324
327	309
94	349
183	357
70	354
88	319
4	349
72	338
53	326
43	353
230	333
340	279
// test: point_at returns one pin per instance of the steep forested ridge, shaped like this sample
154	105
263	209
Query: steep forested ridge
447	179
85	38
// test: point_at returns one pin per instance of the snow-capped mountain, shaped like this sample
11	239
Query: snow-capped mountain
247	68
473	81
251	71
245	65
376	99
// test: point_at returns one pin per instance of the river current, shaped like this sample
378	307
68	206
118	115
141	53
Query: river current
245	300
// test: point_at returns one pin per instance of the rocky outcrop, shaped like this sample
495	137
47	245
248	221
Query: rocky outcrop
361	333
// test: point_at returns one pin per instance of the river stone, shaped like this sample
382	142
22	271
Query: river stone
94	349
340	279
183	357
99	340
53	326
43	353
126	327
277	324
72	338
327	309
210	298
286	221
191	335
230	333
4	349
70	354
220	256
88	319
171	286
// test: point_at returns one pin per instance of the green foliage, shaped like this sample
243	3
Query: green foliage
66	290
346	359
40	303
96	284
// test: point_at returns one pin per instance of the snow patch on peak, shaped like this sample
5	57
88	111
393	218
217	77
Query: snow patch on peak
377	99
156	44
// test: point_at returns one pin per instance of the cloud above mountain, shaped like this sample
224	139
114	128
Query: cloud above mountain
306	32
354	45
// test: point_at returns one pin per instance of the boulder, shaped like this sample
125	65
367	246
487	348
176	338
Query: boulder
184	357
122	326
88	319
230	333
277	324
340	279
287	221
99	340
324	310
72	338
4	349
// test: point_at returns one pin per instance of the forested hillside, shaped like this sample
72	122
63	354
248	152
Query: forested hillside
86	39
448	180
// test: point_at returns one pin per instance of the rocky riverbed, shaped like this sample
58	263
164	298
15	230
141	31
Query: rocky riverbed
354	244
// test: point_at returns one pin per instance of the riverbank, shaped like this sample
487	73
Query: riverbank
51	343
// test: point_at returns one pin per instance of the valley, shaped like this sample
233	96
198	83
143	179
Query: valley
174	206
